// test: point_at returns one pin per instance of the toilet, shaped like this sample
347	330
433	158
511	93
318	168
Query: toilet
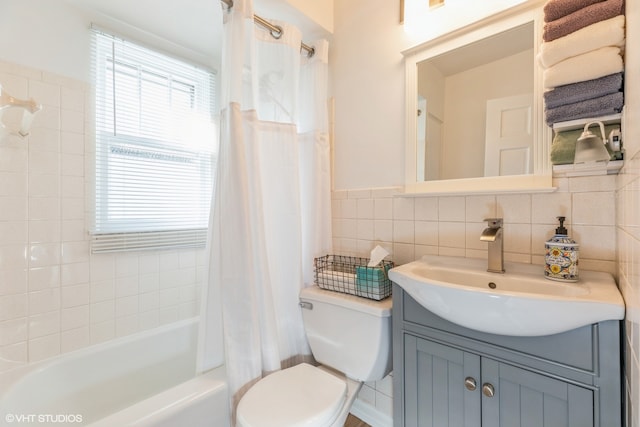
351	339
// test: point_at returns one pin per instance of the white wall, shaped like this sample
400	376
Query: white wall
46	35
320	12
628	216
367	79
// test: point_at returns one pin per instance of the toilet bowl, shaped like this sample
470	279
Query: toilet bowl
351	339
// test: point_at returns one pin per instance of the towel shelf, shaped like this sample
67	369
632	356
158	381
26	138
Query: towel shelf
567	171
579	123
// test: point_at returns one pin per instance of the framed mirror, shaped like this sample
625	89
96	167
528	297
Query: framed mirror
474	109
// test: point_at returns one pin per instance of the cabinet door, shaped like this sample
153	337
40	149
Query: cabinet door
525	399
435	391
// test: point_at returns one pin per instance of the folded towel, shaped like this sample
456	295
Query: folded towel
581	91
604	33
596	107
563	148
588	66
337	279
555	9
582	18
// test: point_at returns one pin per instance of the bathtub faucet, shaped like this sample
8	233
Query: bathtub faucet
493	235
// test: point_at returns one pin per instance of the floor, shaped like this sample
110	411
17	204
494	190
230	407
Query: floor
355	422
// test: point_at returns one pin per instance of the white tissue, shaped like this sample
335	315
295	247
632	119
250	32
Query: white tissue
377	255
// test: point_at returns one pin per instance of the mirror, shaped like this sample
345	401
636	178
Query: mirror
478	116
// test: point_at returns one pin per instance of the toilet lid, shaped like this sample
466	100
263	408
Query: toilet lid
299	396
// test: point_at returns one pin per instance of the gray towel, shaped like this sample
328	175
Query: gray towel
596	107
555	9
581	18
581	91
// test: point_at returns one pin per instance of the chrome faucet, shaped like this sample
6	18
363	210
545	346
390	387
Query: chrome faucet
493	235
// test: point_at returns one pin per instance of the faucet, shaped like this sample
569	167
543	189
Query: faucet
493	235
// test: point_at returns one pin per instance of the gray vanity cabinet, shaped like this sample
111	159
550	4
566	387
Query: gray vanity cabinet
435	395
449	376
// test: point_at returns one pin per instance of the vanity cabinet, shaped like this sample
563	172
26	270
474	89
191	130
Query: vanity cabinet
448	375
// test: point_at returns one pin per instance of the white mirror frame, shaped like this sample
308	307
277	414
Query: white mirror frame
541	179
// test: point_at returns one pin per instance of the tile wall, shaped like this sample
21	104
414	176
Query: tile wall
628	233
410	227
55	296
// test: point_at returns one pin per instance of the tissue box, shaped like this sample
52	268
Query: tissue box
372	282
371	276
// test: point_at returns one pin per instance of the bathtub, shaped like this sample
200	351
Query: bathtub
146	379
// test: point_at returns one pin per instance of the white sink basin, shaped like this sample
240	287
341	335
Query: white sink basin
520	302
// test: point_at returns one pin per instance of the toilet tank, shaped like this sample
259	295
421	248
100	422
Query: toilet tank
348	333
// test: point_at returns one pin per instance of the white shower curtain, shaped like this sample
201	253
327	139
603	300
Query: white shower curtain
271	210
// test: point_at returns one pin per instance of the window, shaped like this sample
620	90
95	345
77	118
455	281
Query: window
155	148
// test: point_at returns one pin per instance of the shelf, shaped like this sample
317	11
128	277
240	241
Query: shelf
579	124
587	169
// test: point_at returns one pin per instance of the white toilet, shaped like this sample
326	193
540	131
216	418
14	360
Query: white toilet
351	338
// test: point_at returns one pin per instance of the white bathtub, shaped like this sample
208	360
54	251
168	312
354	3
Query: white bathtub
145	379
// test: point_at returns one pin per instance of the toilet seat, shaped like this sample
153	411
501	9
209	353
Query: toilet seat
299	396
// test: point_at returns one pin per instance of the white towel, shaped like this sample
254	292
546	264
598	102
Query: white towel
595	36
591	65
330	279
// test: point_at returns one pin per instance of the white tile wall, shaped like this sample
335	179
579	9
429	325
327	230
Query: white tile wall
55	296
410	227
628	246
378	395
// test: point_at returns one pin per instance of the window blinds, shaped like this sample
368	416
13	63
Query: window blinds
155	148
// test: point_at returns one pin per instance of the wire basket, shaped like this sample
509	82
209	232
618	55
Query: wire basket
350	275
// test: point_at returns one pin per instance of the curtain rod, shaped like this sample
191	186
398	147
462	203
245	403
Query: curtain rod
275	30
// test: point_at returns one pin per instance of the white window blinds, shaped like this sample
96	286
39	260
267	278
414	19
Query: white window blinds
155	148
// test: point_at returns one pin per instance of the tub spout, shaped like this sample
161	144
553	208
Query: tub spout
493	235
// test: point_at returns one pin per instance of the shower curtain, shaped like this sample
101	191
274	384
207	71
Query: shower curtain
271	210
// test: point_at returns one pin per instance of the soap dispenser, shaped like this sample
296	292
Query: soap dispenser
561	256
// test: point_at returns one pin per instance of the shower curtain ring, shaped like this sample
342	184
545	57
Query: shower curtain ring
277	32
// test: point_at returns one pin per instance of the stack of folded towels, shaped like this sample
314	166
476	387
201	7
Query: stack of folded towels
582	56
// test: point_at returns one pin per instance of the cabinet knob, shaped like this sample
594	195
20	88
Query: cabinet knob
488	390
470	383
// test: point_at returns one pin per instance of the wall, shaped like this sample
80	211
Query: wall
368	91
366	75
628	215
628	236
321	12
410	227
55	296
44	34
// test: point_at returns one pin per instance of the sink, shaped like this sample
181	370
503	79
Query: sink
520	302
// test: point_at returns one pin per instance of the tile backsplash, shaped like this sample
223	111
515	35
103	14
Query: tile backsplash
412	226
55	296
